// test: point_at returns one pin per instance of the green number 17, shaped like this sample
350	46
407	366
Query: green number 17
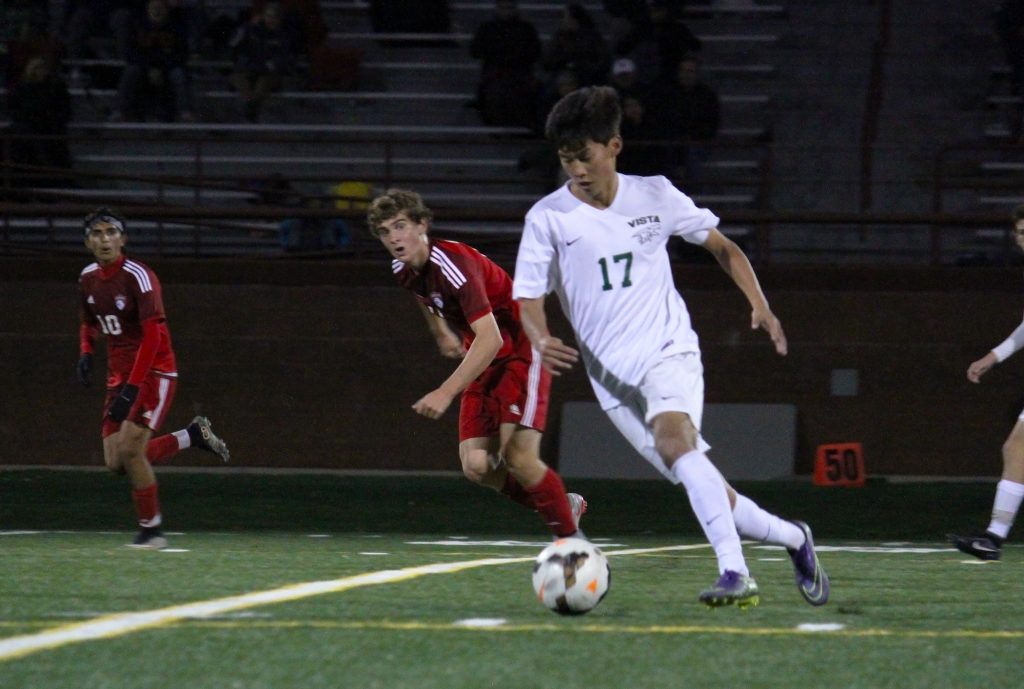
603	262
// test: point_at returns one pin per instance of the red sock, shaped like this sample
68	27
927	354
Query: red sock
147	505
515	491
160	449
550	500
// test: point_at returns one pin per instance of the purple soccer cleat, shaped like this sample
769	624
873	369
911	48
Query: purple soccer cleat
732	588
811	578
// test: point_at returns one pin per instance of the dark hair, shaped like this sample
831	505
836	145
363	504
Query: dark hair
1018	213
395	201
591	113
106	215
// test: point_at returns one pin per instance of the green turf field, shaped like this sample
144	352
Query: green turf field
312	581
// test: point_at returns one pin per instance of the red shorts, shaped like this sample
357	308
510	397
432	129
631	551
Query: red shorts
512	391
151	406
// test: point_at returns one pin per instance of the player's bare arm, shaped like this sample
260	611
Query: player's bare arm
980	367
485	346
735	263
448	342
556	356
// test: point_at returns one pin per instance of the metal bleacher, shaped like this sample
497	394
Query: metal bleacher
407	124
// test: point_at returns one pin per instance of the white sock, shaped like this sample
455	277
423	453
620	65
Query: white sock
1005	506
157	520
183	438
753	522
710	503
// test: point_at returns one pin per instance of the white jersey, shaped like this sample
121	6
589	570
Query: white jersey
611	271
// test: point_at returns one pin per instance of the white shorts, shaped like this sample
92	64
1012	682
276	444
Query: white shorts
673	384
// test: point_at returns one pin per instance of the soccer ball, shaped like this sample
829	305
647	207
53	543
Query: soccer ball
571	576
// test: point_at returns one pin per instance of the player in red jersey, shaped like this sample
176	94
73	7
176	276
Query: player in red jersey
122	298
467	301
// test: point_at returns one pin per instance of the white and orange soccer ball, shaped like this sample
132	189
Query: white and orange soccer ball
571	576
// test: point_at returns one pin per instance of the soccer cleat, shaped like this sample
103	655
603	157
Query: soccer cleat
811	578
985	546
578	505
203	437
149	538
732	588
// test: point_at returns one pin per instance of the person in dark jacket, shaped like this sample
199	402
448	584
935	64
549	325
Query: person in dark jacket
155	73
265	53
40	106
508	48
691	113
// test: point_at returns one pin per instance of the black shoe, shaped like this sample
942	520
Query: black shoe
203	437
986	546
149	538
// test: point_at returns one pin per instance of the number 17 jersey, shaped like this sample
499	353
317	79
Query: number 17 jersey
611	271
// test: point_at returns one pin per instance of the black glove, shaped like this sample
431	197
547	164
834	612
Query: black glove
84	369
122	404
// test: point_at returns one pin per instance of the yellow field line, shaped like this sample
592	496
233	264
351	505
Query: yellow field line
606	629
108	626
577	627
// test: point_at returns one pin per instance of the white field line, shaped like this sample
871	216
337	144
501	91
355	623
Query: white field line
109	626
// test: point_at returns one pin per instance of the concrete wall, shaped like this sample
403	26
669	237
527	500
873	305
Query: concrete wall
317	364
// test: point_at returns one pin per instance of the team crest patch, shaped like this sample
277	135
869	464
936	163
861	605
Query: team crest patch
120	301
436	298
650	227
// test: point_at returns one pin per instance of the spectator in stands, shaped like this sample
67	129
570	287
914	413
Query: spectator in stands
87	19
24	35
657	42
302	19
191	14
508	48
156	69
691	112
644	155
624	78
39	105
578	45
265	54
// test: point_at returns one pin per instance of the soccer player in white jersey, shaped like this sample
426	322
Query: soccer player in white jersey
1010	489
599	243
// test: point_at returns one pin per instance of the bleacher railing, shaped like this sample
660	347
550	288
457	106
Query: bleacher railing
185	226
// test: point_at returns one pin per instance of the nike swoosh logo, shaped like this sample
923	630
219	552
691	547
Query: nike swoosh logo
573	241
980	545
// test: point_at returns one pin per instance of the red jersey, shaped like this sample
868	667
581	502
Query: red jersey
460	284
116	300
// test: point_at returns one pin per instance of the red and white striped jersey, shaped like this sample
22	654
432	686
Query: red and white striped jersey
116	299
460	284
